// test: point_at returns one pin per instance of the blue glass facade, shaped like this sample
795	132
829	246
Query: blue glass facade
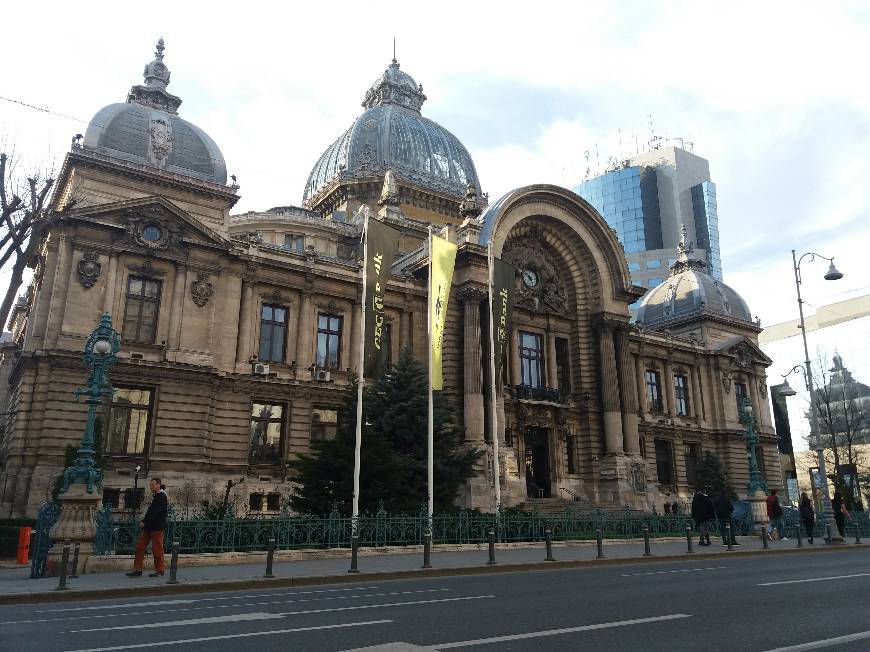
707	225
628	201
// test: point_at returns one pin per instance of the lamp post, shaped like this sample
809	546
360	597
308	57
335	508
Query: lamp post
833	274
756	489
78	498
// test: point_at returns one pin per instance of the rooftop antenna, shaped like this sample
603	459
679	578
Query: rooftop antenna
394	50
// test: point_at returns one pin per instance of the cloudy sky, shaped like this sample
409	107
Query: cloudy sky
774	94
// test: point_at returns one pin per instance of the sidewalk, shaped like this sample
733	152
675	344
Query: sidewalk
16	586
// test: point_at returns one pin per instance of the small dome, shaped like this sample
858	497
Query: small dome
392	134
690	292
147	130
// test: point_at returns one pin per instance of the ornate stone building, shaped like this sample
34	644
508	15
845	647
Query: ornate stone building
240	331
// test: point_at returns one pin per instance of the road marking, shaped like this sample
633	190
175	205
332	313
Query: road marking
828	642
816	579
193	600
262	615
684	570
556	632
219	606
226	636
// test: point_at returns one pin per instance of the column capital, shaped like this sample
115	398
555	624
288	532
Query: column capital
606	323
471	293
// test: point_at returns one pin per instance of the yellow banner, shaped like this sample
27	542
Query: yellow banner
443	259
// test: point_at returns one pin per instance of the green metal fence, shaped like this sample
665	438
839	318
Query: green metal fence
383	529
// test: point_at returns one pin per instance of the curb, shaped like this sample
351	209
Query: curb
319	580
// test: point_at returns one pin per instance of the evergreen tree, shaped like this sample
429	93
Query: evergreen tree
712	477
393	457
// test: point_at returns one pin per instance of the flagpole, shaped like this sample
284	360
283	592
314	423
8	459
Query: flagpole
430	438
493	398
359	386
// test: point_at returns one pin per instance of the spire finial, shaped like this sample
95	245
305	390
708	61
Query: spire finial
160	47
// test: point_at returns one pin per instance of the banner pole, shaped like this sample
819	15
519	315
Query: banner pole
494	396
360	383
430	435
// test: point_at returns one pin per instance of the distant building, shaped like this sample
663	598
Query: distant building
648	199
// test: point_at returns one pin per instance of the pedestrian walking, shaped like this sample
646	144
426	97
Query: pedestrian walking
702	513
808	515
775	516
840	511
724	508
152	525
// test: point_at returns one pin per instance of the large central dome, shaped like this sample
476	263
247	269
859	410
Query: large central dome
392	134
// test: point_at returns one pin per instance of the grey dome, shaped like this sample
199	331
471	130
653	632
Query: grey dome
147	130
392	134
690	292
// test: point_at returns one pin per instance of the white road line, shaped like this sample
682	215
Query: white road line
684	570
169	644
197	621
555	632
193	600
816	579
219	606
828	642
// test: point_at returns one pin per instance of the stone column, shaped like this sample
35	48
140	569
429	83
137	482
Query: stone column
39	319
111	283
471	360
243	350
628	392
304	351
668	389
609	389
355	330
552	375
404	330
59	293
641	385
226	331
178	287
695	379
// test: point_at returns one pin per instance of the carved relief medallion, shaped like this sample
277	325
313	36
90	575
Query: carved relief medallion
201	289
89	269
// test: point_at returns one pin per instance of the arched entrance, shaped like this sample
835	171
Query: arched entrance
537	462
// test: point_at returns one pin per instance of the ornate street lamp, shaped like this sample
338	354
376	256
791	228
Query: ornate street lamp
78	499
833	274
756	480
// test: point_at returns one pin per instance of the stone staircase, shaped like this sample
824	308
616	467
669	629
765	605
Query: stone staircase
553	506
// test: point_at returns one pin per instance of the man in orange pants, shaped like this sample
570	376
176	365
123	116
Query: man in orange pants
152	524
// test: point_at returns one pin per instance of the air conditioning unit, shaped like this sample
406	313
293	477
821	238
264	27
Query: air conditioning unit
323	375
261	369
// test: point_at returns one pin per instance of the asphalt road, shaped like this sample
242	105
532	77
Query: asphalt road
778	602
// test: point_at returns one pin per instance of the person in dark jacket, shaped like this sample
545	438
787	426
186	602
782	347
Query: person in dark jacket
840	512
724	508
152	524
775	516
702	513
808	515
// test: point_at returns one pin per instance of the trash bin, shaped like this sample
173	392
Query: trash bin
23	554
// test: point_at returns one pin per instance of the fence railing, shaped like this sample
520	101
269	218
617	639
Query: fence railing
381	529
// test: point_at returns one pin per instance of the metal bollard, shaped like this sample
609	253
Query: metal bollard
600	542
427	549
827	533
354	548
857	533
729	537
548	538
689	550
173	565
764	536
491	561
75	563
646	552
797	531
64	567
270	558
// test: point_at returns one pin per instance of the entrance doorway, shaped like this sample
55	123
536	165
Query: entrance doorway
537	459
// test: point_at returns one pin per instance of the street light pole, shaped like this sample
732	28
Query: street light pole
832	275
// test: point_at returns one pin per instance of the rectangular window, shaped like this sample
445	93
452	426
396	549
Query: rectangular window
653	264
142	307
693	457
255	502
531	359
739	392
273	333
328	341
664	462
293	242
563	366
681	394
324	424
267	433
571	450
273	502
129	421
653	390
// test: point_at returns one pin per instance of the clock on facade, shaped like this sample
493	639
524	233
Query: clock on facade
530	278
